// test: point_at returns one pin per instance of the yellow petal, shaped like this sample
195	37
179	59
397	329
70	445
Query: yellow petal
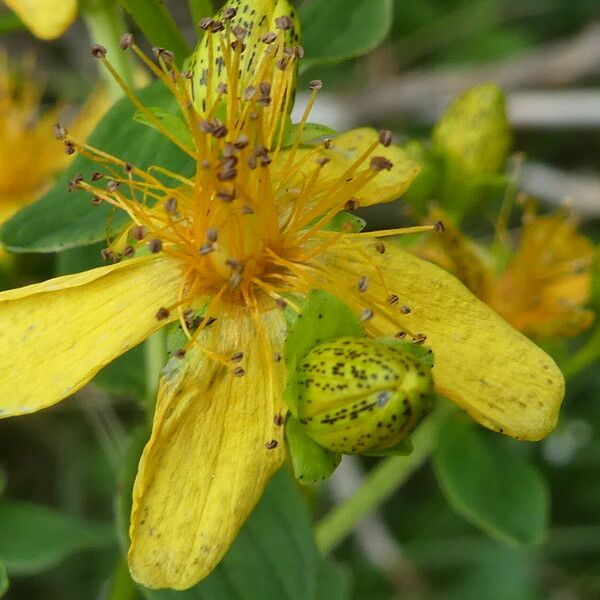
57	335
345	150
501	378
47	19
206	464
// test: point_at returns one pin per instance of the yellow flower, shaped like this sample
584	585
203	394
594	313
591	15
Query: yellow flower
223	253
47	19
28	157
546	284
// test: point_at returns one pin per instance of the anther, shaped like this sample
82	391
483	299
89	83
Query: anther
226	195
239	32
298	52
385	138
315	84
74	182
234	264
126	41
98	51
179	353
322	161
419	338
171	205
380	247
206	23
239	372
281	302
363	284
278	420
69	147
211	235
96	176
327	142
227	174
241	141
163	53
400	335
222	87
162	313
96	200
405	310
105	253
236	357
128	168
138	232
380	163
112	186
271	444
129	251
247	210
206	249
155	245
439	226
216	26
393	299
284	22
228	13
277	357
366	314
238	45
59	131
269	37
351	204
282	64
206	126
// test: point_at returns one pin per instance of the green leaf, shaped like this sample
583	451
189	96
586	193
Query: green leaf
10	22
491	484
422	353
311	463
345	221
158	26
35	537
311	133
3	580
335	582
61	220
337	30
273	557
171	122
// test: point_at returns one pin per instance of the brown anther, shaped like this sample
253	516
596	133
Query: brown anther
187	74
206	126
380	247
206	23
129	251
226	195
264	161
222	87
163	53
380	163
96	200
211	235
241	141
363	284
265	88
216	26
228	13
205	164
239	372
179	353
282	64
155	245
192	321
400	335
59	131
288	52
234	264
112	186
385	138
138	232
105	253
284	22
128	168
315	84
248	93
281	302
253	116
247	210
74	182
264	101
393	299
162	313
271	444
419	338
322	161
327	143
98	51
220	131
238	45
351	204
171	205
439	226
298	52
227	174
69	147
96	176
126	41
236	357
239	32
277	357
366	314
206	248
278	420
269	37
405	310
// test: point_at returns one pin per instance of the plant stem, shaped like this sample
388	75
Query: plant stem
380	483
584	357
122	587
158	26
105	24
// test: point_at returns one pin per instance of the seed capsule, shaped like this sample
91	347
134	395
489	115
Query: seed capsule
357	395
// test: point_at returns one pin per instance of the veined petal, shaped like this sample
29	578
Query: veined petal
55	336
345	150
495	373
210	454
47	19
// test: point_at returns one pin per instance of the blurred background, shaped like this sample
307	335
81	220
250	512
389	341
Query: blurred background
61	466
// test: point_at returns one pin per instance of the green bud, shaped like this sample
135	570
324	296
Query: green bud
358	395
474	133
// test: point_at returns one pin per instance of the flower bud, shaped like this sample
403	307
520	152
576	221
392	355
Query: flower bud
358	395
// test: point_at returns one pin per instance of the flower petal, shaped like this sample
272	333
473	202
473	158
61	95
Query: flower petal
345	150
207	462
47	19
500	377
57	335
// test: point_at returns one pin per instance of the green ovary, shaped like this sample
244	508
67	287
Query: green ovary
360	395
